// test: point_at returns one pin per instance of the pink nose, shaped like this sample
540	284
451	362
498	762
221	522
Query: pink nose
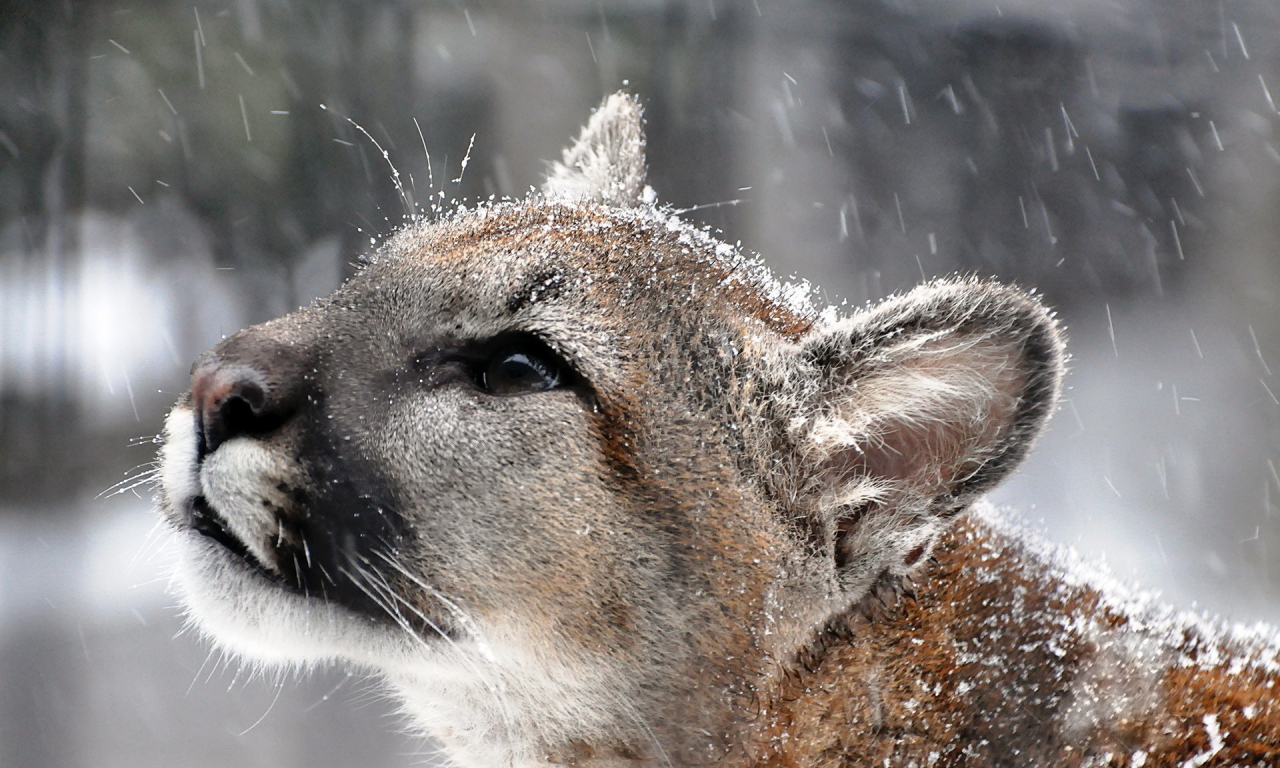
230	400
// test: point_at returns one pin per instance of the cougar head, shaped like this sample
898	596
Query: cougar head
576	478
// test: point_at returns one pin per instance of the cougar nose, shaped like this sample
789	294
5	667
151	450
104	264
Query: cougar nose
232	399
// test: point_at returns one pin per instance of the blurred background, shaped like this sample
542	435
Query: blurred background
173	171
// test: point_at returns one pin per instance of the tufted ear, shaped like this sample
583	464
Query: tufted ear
606	164
909	411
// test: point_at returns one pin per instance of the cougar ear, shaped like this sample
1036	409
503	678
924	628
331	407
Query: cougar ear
606	164
911	410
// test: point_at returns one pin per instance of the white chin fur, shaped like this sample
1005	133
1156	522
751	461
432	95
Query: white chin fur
483	712
246	613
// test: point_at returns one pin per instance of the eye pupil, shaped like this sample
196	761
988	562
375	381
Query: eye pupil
516	371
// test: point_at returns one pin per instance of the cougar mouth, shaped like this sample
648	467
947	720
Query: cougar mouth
206	521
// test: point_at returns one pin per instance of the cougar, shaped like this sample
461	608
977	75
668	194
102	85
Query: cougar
586	486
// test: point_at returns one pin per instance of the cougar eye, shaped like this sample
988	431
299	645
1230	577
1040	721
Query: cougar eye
516	370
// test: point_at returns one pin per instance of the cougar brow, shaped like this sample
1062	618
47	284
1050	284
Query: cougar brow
540	286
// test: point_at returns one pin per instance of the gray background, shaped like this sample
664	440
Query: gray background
167	176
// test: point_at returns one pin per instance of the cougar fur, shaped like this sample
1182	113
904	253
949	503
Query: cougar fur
586	486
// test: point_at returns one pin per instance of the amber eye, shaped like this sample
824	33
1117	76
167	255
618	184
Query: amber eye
518	370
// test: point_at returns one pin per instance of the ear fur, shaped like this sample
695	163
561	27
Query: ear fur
911	410
606	164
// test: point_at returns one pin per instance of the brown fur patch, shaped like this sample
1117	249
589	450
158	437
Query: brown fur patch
979	669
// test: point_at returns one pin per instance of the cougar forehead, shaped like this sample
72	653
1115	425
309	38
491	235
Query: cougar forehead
494	264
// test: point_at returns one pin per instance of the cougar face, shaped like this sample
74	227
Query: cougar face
578	479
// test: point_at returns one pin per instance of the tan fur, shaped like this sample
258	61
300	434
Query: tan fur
733	533
995	659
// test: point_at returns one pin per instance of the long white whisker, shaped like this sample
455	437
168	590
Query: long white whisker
465	159
271	706
431	179
151	545
149	472
379	600
495	688
404	624
395	172
632	713
331	692
208	657
453	607
366	582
